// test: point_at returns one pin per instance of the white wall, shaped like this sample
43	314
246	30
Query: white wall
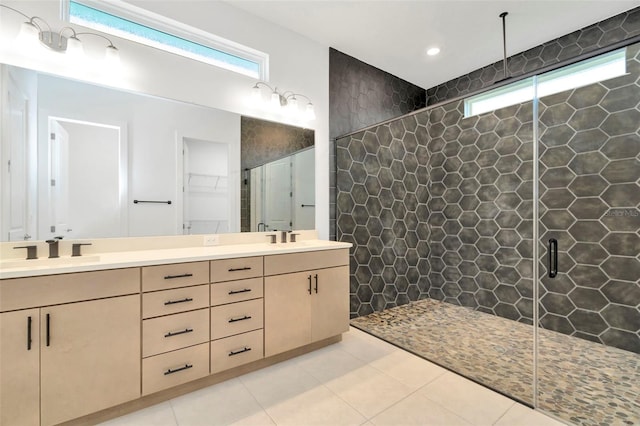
296	63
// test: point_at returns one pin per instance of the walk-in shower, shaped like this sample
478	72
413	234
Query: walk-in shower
522	202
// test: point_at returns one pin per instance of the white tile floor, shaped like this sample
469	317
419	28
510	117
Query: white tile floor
359	381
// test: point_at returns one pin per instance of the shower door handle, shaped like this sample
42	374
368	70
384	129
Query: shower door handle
553	257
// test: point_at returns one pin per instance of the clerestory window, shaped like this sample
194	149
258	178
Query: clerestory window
600	68
136	24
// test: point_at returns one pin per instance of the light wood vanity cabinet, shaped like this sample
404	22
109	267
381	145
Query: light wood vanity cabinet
237	312
80	358
175	328
306	306
20	368
78	343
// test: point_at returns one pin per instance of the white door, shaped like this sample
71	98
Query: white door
278	195
186	223
304	192
92	179
58	180
14	168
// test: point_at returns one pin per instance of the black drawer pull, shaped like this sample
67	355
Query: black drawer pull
186	367
246	317
239	291
177	333
173	302
316	277
241	351
246	268
170	277
309	284
48	329
29	333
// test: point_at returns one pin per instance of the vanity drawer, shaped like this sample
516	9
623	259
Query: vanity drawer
236	350
182	299
285	263
175	331
174	368
236	291
236	269
236	318
162	277
22	293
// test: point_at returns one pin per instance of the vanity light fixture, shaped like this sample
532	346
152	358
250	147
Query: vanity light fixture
285	102
36	32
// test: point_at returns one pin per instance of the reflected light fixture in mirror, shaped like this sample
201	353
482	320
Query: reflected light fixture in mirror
283	102
36	33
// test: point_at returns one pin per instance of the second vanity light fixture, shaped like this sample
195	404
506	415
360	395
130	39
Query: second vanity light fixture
36	32
284	102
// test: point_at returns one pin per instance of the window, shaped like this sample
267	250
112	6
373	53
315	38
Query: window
603	67
136	24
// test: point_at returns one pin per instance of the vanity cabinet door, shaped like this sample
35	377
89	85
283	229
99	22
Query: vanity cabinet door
305	307
330	303
20	368
287	312
90	357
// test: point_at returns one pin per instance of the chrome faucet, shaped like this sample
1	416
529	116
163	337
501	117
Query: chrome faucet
53	247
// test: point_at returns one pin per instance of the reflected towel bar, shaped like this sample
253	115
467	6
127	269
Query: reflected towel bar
154	202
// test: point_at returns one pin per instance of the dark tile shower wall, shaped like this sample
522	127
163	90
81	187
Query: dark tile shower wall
361	95
602	34
475	176
590	203
481	209
382	209
262	142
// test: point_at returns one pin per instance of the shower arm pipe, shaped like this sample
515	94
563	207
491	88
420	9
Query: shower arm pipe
503	15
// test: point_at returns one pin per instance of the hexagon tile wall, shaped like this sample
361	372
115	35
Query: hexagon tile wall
441	206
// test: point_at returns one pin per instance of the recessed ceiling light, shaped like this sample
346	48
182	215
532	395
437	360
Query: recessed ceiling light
433	51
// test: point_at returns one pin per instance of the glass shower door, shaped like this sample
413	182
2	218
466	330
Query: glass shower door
588	334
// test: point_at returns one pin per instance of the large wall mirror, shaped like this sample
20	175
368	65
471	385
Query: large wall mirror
84	161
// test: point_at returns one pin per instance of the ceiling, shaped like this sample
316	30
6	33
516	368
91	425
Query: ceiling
393	35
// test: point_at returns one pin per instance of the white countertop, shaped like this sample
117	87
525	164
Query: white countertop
128	259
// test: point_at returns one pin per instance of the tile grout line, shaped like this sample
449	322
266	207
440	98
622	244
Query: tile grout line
255	399
505	413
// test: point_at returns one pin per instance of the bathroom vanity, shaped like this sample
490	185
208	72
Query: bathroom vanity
83	340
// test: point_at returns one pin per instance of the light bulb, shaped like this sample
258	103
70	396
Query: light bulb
293	106
256	96
75	51
275	100
112	57
29	36
310	112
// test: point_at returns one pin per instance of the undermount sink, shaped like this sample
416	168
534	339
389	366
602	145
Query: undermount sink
46	262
